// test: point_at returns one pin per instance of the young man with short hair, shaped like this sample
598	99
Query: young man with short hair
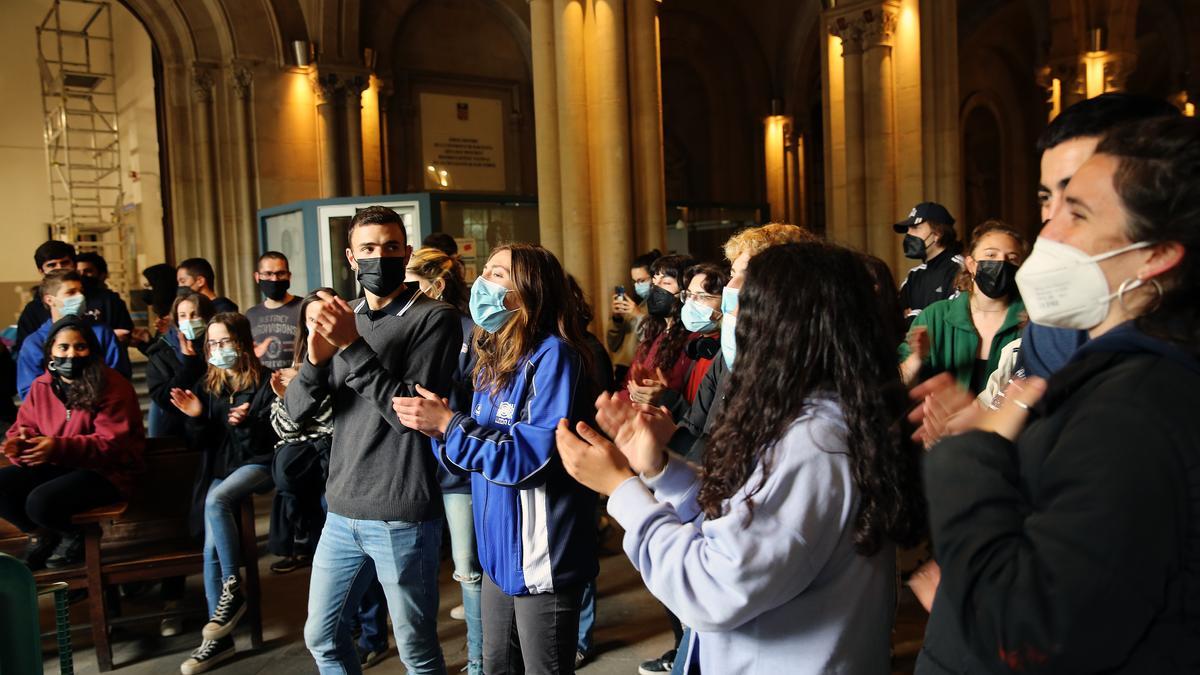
103	304
385	507
49	256
273	321
63	294
929	236
196	275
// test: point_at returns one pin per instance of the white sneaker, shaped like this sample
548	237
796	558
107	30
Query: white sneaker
208	655
458	613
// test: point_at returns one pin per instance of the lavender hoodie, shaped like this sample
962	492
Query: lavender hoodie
786	594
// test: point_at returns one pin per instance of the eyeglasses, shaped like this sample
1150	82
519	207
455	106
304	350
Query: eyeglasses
223	343
684	296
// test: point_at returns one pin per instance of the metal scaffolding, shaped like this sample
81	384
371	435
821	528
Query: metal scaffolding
83	153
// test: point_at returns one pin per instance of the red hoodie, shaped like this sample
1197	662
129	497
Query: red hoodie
109	440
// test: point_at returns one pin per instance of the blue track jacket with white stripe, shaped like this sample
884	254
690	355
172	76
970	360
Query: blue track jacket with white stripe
535	525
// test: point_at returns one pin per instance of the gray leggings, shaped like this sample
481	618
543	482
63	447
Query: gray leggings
534	634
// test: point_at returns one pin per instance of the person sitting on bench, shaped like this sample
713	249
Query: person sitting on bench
76	445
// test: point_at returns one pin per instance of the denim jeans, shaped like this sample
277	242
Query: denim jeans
461	523
222	554
405	557
587	618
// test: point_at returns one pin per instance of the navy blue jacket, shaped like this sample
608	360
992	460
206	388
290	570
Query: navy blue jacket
536	526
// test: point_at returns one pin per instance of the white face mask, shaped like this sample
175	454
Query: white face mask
1063	287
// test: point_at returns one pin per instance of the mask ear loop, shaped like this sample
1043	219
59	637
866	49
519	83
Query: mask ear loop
1131	284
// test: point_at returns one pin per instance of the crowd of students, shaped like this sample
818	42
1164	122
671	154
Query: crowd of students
770	431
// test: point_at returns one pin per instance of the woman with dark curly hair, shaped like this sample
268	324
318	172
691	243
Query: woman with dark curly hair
661	360
780	552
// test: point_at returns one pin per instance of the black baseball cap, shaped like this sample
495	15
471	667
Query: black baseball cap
925	211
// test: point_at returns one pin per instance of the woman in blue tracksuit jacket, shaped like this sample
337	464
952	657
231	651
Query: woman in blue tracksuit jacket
535	524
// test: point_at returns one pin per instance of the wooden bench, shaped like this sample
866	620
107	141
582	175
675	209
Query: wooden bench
147	539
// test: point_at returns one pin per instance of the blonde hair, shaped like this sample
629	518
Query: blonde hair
755	240
432	264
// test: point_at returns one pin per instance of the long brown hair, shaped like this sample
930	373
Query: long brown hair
246	373
547	308
204	307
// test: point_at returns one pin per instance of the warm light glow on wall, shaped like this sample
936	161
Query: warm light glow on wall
1189	109
775	154
906	27
1055	98
299	104
1094	69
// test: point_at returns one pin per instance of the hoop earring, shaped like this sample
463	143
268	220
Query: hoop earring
1131	284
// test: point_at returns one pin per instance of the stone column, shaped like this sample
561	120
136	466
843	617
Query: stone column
327	87
645	74
208	202
386	90
850	30
237	278
879	125
353	89
608	147
575	181
545	113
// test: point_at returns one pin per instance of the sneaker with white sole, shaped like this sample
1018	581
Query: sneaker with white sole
208	655
230	609
658	666
459	613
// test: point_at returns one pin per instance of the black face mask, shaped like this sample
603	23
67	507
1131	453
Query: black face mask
914	247
146	295
381	276
661	303
69	367
275	289
995	278
183	291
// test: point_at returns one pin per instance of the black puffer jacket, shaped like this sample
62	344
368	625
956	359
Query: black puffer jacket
1075	549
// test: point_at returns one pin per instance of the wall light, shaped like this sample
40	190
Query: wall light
302	51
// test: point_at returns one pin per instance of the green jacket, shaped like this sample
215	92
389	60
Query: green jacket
953	340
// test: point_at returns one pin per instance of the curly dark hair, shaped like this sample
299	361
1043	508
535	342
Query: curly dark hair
85	390
811	312
674	336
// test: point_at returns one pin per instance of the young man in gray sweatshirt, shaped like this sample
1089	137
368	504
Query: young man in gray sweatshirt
385	507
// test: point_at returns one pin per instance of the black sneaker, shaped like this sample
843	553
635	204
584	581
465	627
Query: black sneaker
658	666
208	655
289	564
230	609
39	548
370	657
68	553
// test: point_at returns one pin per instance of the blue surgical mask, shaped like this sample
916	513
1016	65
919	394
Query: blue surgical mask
697	318
73	305
192	328
642	288
487	305
728	325
223	357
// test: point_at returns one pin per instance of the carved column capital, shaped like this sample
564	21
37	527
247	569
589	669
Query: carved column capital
879	25
850	30
326	85
202	83
353	87
241	77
